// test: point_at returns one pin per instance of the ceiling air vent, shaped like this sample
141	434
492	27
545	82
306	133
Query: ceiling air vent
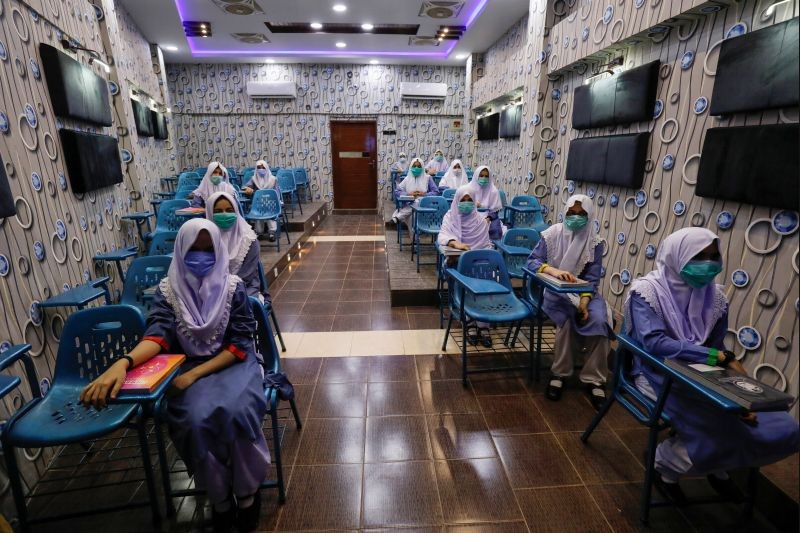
423	41
250	38
239	7
441	9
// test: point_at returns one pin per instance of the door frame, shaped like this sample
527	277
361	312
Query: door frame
373	173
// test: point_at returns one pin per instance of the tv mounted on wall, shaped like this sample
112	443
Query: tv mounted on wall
614	159
143	119
7	208
159	122
489	127
511	122
92	160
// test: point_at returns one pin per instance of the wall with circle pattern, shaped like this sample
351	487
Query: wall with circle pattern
48	246
759	244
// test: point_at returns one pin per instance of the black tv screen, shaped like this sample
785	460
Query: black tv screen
613	159
7	208
159	125
143	119
92	160
489	127
75	90
624	98
751	164
759	70
511	122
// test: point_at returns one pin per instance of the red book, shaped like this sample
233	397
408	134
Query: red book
146	377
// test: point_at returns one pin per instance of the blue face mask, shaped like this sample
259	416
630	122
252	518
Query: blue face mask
483	181
698	274
439	157
216	179
200	263
575	222
416	171
465	208
262	172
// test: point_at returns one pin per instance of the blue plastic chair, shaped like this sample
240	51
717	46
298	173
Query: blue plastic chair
144	273
189	179
264	206
264	287
449	194
184	192
301	180
480	290
167	220
288	187
427	217
163	243
516	247
91	341
525	212
247	175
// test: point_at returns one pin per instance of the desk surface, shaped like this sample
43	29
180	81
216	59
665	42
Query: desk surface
116	255
549	285
80	295
142	215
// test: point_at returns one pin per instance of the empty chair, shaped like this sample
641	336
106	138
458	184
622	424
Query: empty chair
448	194
288	187
162	243
516	246
301	181
144	273
525	212
167	220
428	217
188	179
182	193
267	206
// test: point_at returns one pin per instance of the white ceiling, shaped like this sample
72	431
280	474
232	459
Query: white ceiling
160	22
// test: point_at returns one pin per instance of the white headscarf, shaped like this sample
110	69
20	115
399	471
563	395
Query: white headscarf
489	196
450	180
413	184
268	181
238	238
437	165
572	250
206	188
470	229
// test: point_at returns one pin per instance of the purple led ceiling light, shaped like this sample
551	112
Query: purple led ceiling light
354	53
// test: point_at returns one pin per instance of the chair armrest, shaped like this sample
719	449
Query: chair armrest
99	281
12	355
424	209
478	287
512	250
523	208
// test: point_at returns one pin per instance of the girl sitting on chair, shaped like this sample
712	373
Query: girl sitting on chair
263	179
215	180
217	403
437	164
677	311
455	177
416	184
487	198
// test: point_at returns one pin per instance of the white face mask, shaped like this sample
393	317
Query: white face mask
457	172
402	159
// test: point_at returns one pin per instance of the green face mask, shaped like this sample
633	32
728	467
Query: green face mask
216	179
416	171
466	208
439	157
225	220
575	222
483	181
698	274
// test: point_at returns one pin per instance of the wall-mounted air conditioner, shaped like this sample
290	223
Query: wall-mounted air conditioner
435	91
271	89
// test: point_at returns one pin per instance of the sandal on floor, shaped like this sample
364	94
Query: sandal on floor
671	491
597	395
472	336
486	338
554	388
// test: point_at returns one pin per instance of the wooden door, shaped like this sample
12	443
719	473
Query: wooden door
354	154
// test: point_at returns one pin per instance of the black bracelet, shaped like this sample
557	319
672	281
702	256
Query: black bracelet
729	355
129	359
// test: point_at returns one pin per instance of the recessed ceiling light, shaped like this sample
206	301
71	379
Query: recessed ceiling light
373	61
462	56
316	25
367	26
341	45
340	8
270	60
170	48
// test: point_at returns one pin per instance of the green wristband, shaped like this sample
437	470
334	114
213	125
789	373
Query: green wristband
713	354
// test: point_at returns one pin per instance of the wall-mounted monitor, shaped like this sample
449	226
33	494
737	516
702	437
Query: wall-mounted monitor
7	208
627	97
159	122
143	119
613	160
92	160
75	90
511	122
489	127
751	164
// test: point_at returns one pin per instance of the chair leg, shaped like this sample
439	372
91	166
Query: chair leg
597	418
463	351
16	486
298	422
147	465
276	439
162	459
752	488
299	203
277	328
447	332
533	359
647	489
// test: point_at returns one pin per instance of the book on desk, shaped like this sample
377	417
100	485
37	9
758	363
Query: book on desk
146	378
748	392
580	284
449	251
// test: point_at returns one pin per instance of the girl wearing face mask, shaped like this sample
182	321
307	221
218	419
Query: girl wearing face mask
416	184
455	176
437	164
217	403
677	311
215	180
568	251
464	228
263	179
487	197
239	240
401	165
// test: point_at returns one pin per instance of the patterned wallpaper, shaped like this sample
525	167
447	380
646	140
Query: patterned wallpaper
763	263
215	119
48	246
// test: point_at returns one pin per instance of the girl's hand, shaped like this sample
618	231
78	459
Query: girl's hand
248	191
583	312
750	419
461	246
561	274
106	385
182	382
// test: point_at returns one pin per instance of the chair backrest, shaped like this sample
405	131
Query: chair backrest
526	201
183	192
144	272
247	175
438	202
163	243
264	338
189	179
449	194
522	238
440	174
286	180
167	220
300	176
265	203
484	264
502	194
95	338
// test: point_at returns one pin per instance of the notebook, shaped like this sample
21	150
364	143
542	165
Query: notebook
449	251
191	211
564	284
748	392
146	377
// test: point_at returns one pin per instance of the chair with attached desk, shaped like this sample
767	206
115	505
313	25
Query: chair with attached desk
163	243
167	220
262	277
516	246
480	290
88	438
288	187
427	220
301	181
650	413
525	212
188	179
266	205
144	273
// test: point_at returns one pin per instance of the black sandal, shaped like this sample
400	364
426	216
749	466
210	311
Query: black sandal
486	338
597	395
554	388
472	335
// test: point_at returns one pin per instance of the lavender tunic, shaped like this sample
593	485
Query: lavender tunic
216	423
558	306
249	273
252	185
714	439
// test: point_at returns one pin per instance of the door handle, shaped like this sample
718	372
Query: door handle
372	163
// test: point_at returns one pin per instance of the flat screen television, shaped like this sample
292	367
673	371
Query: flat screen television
511	122
617	160
75	90
92	160
7	208
489	127
143	119
758	70
159	125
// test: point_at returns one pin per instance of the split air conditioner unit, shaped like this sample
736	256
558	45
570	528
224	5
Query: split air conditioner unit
430	91
271	89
